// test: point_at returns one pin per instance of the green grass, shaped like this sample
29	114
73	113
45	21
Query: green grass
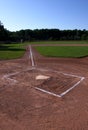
66	51
59	42
11	51
17	50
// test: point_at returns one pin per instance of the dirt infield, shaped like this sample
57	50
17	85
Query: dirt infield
23	107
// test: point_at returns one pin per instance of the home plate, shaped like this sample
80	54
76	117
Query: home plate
42	77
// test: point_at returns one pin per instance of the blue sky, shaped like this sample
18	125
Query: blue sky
38	14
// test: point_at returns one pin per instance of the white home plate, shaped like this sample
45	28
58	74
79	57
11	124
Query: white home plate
41	77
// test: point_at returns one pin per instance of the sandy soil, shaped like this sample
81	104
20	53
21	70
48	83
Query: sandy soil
22	107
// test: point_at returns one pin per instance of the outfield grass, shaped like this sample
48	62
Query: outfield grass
60	42
66	51
11	51
17	50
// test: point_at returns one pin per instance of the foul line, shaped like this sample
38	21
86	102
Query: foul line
7	76
68	90
56	95
31	56
65	92
33	64
59	72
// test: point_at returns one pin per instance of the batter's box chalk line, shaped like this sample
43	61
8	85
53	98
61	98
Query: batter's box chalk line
42	90
8	77
65	92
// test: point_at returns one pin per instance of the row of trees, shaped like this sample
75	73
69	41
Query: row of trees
4	33
42	34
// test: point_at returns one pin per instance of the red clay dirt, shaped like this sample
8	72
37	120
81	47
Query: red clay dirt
22	107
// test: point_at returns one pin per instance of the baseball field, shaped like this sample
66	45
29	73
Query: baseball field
44	86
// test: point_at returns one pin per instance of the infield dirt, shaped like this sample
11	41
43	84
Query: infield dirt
22	107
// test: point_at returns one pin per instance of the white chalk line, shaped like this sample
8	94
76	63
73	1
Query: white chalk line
7	76
65	92
42	90
31	56
68	90
59	72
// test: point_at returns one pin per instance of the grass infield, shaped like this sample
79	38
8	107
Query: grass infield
66	51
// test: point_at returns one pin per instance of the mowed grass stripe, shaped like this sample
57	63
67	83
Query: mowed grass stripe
65	51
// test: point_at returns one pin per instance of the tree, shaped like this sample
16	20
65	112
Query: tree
4	33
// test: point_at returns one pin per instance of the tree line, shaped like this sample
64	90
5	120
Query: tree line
41	34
